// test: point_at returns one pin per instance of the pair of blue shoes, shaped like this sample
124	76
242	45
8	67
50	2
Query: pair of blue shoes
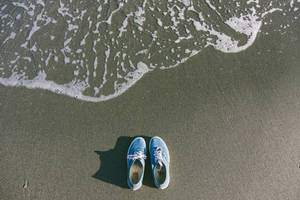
160	159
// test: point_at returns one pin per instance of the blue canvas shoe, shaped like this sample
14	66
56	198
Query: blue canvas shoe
160	160
136	156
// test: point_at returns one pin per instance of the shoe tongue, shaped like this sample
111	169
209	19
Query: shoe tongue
160	164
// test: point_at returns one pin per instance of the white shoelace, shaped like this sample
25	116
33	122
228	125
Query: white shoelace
158	156
137	155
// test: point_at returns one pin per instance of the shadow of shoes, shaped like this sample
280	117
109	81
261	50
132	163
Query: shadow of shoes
113	164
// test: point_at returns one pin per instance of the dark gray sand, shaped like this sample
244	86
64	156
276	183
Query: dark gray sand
231	122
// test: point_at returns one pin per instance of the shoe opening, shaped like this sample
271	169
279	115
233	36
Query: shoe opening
136	171
160	173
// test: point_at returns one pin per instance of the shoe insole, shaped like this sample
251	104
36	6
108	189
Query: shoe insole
136	171
160	173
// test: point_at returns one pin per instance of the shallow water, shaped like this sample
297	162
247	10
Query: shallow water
96	50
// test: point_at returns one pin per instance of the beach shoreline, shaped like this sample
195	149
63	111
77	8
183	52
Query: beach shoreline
231	123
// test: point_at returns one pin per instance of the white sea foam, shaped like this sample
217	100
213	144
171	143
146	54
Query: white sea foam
11	36
119	43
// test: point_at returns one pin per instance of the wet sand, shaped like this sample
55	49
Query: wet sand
231	122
